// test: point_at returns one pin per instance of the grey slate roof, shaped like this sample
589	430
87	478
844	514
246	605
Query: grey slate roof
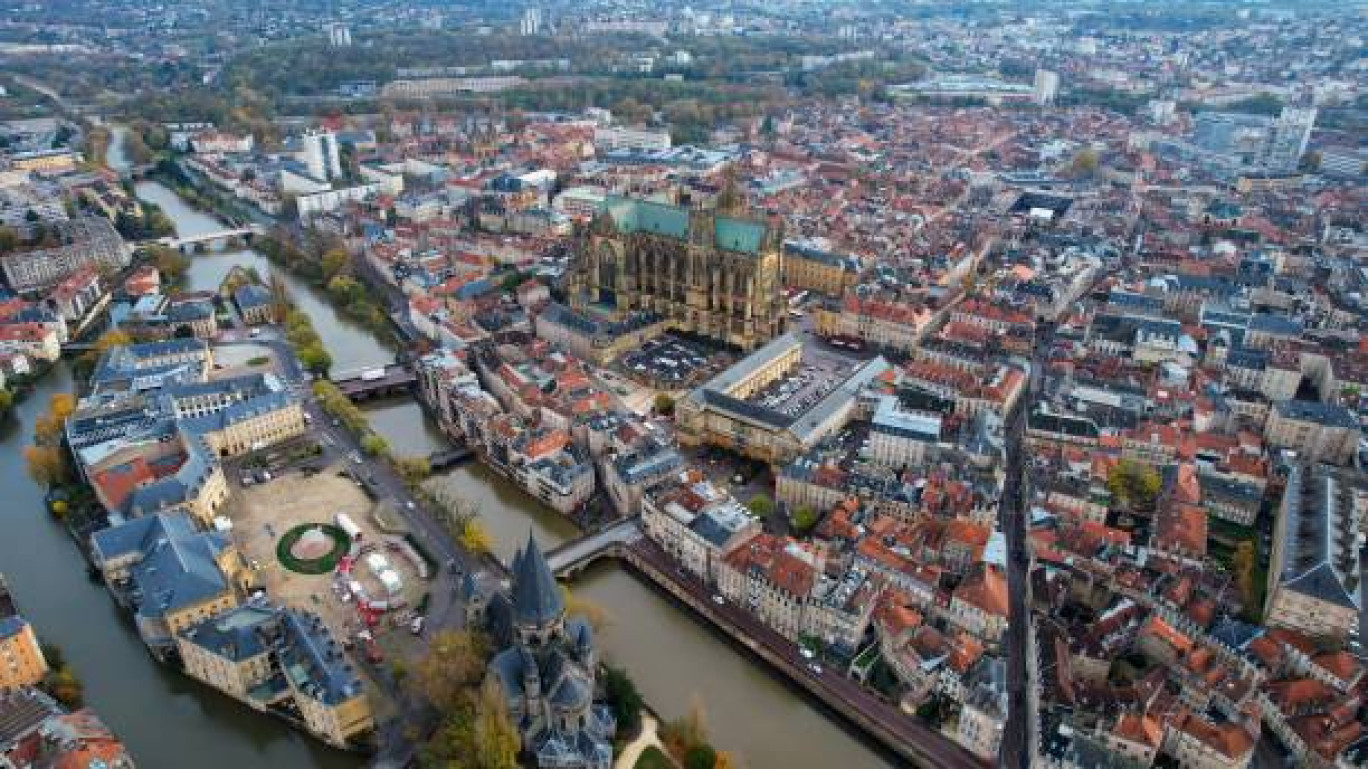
536	596
176	564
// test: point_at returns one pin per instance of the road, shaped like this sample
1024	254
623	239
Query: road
1017	743
340	446
842	694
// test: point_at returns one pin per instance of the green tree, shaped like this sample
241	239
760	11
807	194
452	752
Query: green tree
700	757
803	519
345	290
1134	484
374	445
450	746
315	359
664	405
760	505
623	697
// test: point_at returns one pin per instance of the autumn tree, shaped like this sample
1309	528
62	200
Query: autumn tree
1085	163
453	665
496	740
664	405
171	264
1134	484
682	735
374	445
85	364
281	303
64	687
1242	563
46	465
475	537
414	470
726	760
335	262
575	606
48	428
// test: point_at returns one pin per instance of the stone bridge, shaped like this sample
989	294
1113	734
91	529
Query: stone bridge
570	558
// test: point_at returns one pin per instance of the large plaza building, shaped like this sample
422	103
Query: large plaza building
776	403
705	272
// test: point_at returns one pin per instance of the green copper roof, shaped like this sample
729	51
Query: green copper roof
636	215
739	235
632	215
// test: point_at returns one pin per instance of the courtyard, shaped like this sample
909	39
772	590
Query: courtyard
316	540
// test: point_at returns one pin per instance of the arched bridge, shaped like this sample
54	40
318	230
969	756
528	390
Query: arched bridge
211	237
572	557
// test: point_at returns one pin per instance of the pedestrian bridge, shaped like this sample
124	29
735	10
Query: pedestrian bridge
572	557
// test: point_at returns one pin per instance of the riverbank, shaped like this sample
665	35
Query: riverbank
882	722
674	658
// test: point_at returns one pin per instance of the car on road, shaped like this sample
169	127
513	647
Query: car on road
814	668
416	626
719	600
356	457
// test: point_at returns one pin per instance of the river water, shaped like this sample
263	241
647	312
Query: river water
169	721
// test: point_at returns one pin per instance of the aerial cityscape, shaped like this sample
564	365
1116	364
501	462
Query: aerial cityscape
808	384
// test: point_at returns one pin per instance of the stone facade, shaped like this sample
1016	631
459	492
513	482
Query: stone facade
706	273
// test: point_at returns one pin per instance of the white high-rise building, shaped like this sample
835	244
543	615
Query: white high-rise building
531	21
339	35
321	156
1288	136
1046	87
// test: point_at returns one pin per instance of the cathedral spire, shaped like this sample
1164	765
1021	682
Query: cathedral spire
536	596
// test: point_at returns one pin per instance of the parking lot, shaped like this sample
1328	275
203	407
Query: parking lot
800	391
671	363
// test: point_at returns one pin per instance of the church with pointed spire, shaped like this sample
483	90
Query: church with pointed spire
546	669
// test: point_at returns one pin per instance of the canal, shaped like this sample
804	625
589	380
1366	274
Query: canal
165	718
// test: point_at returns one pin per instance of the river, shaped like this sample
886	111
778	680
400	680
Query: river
166	718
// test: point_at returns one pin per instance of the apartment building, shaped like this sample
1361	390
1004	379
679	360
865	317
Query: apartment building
1314	568
85	241
1318	432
